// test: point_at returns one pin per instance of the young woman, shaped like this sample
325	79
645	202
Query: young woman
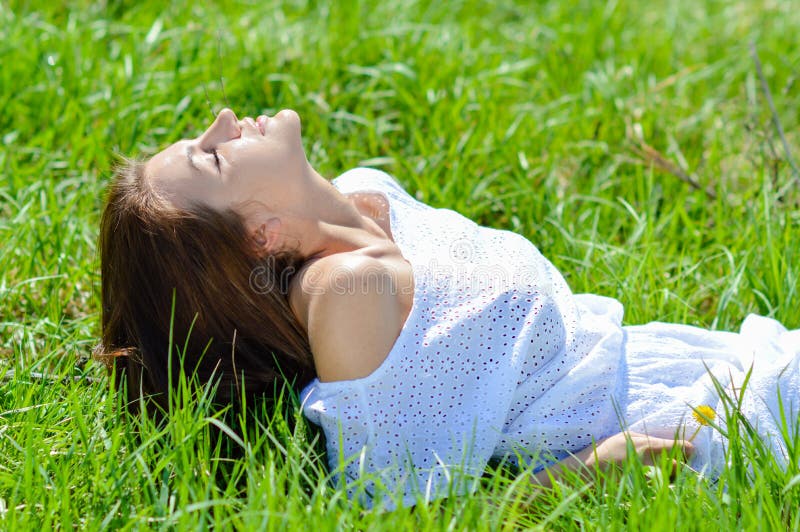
423	344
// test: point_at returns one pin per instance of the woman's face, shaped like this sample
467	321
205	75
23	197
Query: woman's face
235	163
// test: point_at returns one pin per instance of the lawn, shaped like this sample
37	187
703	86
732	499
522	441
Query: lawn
649	149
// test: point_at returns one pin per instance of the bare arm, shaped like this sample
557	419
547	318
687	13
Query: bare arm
610	451
352	316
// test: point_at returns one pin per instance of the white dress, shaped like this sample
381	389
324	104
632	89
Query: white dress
499	359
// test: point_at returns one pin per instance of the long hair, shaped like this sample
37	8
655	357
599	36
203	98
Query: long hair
192	275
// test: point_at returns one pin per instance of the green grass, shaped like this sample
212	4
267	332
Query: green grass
530	116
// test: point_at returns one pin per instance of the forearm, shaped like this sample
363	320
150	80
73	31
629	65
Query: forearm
580	463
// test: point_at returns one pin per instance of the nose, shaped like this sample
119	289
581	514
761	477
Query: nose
224	128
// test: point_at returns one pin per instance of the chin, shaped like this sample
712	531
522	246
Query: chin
289	115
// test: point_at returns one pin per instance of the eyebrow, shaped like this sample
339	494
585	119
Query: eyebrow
191	158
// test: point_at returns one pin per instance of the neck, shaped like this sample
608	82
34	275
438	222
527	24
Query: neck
337	226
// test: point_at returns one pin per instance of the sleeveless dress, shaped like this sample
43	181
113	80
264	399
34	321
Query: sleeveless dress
498	359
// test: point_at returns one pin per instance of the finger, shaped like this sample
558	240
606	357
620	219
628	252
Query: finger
688	448
656	448
686	451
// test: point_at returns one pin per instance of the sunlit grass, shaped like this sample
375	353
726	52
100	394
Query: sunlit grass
534	118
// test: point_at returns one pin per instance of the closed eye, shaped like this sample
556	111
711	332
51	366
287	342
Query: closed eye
216	159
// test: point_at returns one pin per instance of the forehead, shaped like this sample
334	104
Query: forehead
170	173
170	161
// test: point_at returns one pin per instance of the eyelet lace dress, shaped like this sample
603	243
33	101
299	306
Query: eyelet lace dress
499	359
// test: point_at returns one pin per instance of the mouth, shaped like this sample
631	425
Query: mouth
261	122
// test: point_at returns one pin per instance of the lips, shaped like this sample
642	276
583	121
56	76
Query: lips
261	122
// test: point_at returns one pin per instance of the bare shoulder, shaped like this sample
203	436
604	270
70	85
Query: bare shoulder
349	305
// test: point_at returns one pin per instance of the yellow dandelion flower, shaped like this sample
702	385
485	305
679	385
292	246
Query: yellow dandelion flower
704	414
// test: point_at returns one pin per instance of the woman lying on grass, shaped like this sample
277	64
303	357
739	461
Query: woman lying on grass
423	344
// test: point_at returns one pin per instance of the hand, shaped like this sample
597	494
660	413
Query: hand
614	449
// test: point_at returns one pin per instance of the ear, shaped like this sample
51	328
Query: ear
267	236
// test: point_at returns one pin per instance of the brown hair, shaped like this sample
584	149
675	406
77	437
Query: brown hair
224	325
